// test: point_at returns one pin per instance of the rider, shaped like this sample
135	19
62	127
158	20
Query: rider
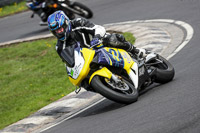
86	33
38	6
41	8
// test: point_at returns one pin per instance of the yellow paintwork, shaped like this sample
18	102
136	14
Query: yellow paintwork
88	55
104	72
128	62
100	45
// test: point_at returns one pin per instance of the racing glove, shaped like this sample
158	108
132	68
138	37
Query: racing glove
96	43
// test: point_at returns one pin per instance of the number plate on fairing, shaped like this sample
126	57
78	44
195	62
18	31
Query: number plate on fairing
75	71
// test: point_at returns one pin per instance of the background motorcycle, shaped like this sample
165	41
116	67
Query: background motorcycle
68	6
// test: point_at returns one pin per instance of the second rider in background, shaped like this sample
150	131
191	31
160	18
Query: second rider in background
41	8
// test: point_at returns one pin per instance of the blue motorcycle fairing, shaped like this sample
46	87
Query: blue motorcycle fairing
112	57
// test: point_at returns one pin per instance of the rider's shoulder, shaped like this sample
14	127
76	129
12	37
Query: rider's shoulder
79	19
79	22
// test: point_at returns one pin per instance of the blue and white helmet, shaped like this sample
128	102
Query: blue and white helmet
60	25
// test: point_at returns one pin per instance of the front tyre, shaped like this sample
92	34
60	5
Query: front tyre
125	92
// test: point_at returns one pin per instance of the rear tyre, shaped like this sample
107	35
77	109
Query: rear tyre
127	96
165	71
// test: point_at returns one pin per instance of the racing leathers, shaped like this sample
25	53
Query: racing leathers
83	31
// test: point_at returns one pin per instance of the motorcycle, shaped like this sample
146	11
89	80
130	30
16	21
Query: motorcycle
70	8
115	73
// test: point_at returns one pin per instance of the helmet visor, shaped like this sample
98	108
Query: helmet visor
60	32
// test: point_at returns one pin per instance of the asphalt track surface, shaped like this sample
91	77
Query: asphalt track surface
170	108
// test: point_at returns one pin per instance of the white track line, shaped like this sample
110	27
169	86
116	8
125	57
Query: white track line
189	32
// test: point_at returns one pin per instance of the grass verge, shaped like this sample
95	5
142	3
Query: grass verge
12	9
129	37
31	76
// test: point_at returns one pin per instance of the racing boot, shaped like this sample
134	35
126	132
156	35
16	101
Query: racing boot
141	53
138	52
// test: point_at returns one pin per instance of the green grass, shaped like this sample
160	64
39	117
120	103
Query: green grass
32	75
129	37
12	9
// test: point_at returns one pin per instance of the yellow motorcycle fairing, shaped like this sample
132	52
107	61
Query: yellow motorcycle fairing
104	72
88	56
118	55
115	56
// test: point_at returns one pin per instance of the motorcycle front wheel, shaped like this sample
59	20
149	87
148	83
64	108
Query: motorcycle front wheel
123	92
83	10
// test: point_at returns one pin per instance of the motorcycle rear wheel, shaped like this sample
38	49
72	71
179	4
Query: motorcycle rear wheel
100	85
84	10
165	71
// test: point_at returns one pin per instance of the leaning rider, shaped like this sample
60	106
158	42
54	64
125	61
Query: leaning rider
86	33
